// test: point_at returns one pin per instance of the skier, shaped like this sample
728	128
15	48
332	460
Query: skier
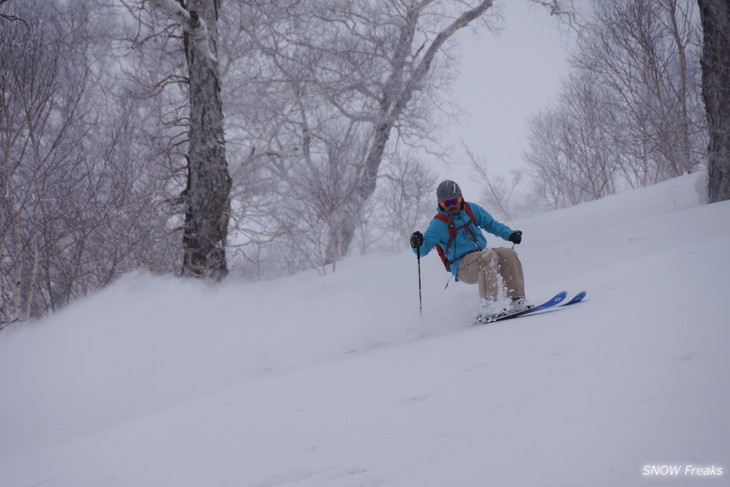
456	233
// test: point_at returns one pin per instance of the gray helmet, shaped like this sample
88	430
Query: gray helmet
447	189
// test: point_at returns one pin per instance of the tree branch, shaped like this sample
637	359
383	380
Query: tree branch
12	18
190	23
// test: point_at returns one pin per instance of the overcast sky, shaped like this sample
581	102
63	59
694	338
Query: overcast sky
504	79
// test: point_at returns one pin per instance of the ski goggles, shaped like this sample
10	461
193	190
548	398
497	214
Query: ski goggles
451	202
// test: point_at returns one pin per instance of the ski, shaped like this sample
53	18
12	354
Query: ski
576	299
555	300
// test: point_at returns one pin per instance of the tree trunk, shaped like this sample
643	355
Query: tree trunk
715	15
207	196
400	88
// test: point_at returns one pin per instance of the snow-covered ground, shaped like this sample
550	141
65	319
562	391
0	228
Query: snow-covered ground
335	381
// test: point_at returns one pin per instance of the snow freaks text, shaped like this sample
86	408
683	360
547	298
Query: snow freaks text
682	471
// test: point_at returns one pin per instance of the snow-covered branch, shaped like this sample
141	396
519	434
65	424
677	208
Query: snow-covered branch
190	22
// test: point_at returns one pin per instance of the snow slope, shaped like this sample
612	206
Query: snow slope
335	381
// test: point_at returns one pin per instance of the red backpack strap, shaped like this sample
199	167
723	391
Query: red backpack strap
446	219
469	212
471	220
452	233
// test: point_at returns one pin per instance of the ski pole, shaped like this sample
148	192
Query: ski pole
420	298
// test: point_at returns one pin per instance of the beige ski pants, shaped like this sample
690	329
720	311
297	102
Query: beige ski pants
483	268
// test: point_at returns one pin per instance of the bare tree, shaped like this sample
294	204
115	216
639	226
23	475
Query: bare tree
629	112
554	180
207	195
642	51
499	195
40	115
370	63
78	205
715	81
338	78
404	199
571	154
409	61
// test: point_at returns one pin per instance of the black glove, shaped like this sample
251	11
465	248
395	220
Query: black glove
416	239
516	237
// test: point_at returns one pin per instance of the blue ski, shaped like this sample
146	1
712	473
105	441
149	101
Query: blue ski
555	300
576	299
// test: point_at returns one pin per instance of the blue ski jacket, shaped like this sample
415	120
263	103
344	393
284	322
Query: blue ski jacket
466	241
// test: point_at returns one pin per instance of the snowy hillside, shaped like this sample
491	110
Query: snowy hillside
335	381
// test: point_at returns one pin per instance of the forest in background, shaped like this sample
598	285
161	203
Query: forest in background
328	111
